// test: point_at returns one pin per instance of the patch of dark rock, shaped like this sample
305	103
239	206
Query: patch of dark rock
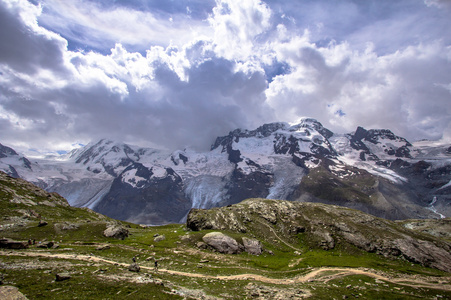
134	267
42	223
421	167
12	244
201	245
45	245
62	276
183	158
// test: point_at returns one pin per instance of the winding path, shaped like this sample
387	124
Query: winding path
313	275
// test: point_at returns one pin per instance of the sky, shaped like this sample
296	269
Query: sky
178	73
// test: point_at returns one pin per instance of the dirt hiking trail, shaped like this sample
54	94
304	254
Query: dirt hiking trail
317	275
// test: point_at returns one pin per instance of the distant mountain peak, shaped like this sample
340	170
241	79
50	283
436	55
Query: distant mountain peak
6	151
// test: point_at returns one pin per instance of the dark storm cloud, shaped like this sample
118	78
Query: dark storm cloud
213	100
23	49
184	113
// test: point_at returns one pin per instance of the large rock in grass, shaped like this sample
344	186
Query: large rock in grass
252	246
116	231
8	292
222	243
11	244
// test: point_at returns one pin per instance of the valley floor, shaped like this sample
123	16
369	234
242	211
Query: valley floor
99	270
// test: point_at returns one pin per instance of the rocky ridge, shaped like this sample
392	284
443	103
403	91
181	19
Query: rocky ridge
325	227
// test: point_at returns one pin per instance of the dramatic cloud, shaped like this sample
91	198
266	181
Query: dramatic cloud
183	72
99	25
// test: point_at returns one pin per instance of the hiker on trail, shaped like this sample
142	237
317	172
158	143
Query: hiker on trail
156	265
134	259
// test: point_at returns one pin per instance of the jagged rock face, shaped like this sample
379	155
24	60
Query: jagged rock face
6	151
156	198
325	226
356	188
429	182
307	137
243	186
390	144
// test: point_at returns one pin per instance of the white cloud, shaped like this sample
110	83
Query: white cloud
439	3
403	91
91	24
239	26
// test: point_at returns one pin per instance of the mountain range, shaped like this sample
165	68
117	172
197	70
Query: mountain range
374	171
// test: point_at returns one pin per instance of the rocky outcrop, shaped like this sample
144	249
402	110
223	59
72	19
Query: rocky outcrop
116	231
252	246
325	227
440	228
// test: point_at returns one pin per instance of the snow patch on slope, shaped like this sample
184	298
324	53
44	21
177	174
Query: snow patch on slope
373	169
132	179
